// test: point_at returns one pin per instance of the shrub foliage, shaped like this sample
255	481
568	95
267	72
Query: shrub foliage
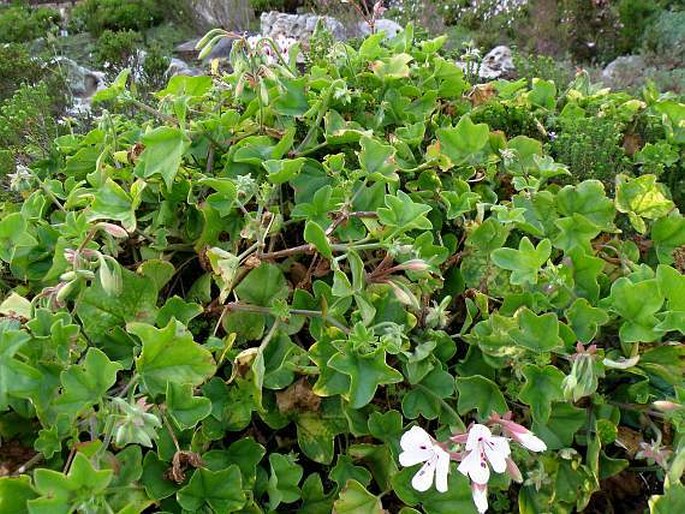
240	300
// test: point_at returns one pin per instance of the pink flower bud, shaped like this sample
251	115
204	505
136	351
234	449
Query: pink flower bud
113	230
666	405
413	265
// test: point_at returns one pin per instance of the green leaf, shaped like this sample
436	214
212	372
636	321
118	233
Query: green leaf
263	285
457	499
377	160
403	213
525	262
314	234
345	470
464	142
637	303
283	480
585	319
16	306
87	383
396	67
282	171
589	200
60	493
354	498
164	149
543	93
186	409
170	354
159	271
221	491
424	399
14	493
642	197
481	394
366	372
537	333
178	308
111	202
672	501
14	233
542	387
100	313
316	435
17	379
564	421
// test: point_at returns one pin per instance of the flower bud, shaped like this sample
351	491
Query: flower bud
113	230
666	405
413	265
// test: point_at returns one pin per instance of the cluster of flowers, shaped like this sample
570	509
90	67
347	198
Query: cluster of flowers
270	52
476	450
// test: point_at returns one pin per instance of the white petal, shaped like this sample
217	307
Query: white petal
532	442
480	497
423	479
477	433
497	450
417	446
621	362
441	471
475	467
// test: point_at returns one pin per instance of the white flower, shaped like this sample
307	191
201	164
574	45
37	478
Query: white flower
483	447
418	446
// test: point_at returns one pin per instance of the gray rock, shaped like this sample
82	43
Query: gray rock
299	26
497	63
180	67
623	69
82	82
234	15
389	27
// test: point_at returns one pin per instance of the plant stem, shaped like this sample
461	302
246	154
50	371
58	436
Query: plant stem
296	312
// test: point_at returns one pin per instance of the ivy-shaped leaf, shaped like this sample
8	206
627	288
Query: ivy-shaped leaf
481	394
170	354
525	262
86	384
164	149
187	410
366	371
221	491
543	386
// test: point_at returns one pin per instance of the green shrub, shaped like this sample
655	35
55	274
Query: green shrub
666	37
19	23
17	67
544	67
155	65
27	120
97	16
635	16
591	147
117	50
261	6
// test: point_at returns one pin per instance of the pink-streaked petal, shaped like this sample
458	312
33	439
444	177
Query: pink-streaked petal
497	450
423	479
442	469
480	497
475	467
532	442
477	434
